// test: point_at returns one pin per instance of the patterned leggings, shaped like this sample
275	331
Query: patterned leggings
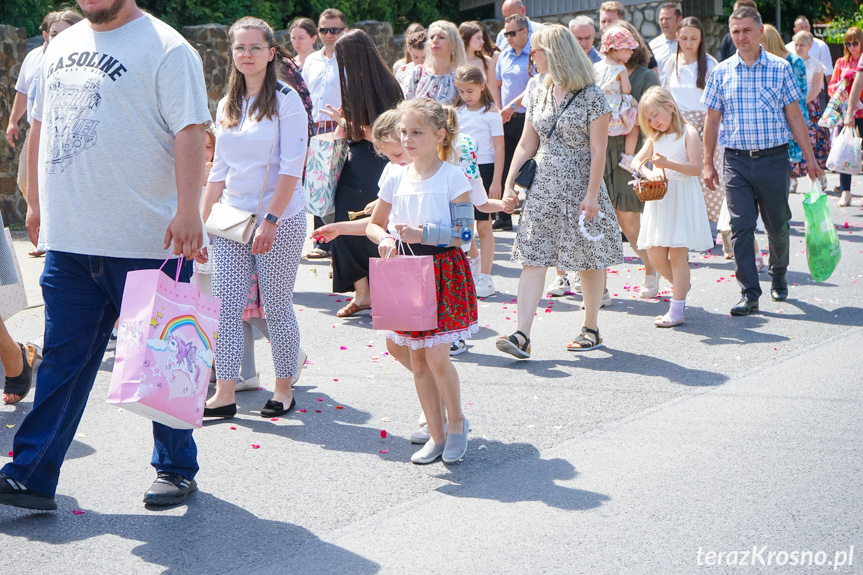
233	264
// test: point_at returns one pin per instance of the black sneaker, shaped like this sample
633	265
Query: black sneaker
17	495
169	489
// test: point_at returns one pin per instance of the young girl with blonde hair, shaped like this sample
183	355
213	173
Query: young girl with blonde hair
413	202
670	227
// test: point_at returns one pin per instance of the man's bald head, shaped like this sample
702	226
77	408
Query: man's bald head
510	7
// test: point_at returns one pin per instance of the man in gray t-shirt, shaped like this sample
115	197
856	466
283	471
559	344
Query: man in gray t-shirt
118	154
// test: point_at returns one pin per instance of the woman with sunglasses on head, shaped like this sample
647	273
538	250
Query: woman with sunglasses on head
844	69
435	78
261	140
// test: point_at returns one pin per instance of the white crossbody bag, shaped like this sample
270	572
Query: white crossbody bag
233	223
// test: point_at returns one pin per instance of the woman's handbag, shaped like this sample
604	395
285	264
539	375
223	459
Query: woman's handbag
834	111
528	170
233	223
324	163
649	190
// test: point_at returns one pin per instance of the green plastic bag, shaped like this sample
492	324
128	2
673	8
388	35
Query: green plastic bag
822	241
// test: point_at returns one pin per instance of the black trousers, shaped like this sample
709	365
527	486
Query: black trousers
511	135
753	184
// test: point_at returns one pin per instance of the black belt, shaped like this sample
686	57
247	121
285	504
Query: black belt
759	153
518	114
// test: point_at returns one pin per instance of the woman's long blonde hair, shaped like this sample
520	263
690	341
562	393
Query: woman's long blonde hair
773	43
568	65
657	97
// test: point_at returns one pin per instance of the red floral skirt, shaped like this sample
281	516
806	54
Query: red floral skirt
456	304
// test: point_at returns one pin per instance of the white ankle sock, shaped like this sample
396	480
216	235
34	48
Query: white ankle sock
675	310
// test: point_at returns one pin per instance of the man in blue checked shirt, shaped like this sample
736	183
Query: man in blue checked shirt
753	96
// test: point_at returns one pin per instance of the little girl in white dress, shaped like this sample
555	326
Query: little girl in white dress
613	79
677	223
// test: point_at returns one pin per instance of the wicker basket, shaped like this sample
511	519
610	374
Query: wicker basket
649	190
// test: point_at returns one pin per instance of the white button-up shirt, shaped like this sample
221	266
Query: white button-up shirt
321	75
662	49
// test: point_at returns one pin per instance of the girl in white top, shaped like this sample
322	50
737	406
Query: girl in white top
670	227
685	76
480	119
261	137
418	194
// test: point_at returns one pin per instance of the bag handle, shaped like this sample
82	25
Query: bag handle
270	161
180	268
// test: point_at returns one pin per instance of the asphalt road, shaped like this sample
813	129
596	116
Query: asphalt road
652	455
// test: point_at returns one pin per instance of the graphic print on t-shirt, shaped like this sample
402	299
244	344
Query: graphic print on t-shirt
70	105
72	131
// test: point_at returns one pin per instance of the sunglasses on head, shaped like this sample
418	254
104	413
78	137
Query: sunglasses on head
853	43
513	33
332	31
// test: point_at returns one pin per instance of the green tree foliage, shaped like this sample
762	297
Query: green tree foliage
25	13
836	30
791	9
279	13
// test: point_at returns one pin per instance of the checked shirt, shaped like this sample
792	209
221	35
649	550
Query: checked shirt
752	101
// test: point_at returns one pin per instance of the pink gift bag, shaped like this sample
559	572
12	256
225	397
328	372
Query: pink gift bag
404	294
165	348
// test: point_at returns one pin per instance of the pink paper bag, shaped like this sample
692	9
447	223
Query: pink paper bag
404	293
165	349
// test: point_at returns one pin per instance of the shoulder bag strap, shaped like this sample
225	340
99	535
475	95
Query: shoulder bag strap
270	161
562	109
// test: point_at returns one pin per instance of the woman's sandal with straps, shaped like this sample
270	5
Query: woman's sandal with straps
510	344
583	343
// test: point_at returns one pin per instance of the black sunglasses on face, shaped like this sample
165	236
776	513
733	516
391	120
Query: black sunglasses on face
332	31
854	44
513	33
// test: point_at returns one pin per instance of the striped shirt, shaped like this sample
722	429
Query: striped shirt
752	101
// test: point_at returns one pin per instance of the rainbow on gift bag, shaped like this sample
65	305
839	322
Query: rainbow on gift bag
163	341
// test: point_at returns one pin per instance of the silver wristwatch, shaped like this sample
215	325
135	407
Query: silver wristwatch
272	219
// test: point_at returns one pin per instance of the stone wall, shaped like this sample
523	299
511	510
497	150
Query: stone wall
13	48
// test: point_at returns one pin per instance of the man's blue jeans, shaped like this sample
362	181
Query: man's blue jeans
82	301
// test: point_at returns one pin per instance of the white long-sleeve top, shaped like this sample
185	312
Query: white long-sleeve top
241	154
321	75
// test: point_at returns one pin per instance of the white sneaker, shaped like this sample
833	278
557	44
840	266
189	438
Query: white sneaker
250	384
558	287
485	286
606	300
576	284
650	286
474	268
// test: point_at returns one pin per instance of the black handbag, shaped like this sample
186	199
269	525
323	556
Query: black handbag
528	170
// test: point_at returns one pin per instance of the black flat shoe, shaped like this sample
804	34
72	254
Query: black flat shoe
226	411
745	306
276	408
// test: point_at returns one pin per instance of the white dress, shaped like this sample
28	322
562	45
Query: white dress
679	220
